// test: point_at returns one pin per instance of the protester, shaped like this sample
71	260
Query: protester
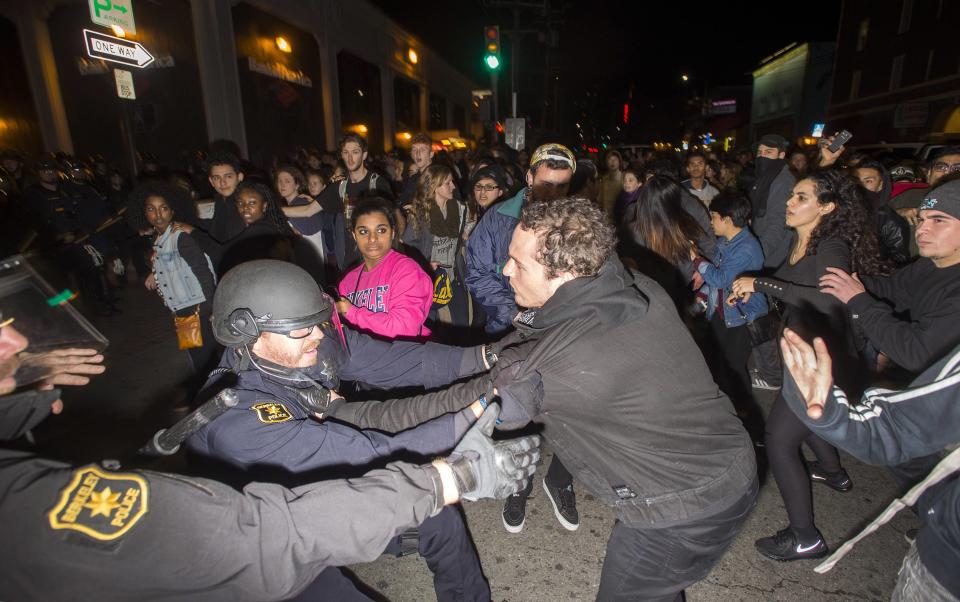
831	229
632	181
489	185
643	427
768	199
388	294
697	184
611	183
738	252
182	274
551	167
421	151
892	427
224	173
266	234
437	228
893	231
316	248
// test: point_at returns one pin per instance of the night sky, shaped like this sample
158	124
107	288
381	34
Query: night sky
605	46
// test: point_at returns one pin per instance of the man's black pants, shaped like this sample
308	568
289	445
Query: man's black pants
658	564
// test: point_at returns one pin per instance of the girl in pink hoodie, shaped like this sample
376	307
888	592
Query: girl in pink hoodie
388	294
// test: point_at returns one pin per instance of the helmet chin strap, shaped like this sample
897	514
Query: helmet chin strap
274	370
312	396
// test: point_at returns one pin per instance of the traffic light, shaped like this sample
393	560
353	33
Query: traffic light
491	40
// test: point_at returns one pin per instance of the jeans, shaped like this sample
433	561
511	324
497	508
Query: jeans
658	564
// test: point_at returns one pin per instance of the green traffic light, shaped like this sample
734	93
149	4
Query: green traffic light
492	61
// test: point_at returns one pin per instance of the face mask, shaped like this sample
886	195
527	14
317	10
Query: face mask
765	165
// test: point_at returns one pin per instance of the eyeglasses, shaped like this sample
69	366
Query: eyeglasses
490	188
941	167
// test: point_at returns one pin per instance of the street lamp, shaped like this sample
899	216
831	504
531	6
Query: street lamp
685	77
283	45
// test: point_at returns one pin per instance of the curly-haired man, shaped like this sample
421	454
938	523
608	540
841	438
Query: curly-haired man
601	359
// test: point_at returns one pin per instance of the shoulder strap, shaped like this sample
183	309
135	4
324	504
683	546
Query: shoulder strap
343	188
373	180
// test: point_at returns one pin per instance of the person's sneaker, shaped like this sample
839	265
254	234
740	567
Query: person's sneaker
564	505
515	512
784	546
839	481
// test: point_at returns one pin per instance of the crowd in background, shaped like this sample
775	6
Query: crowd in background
829	243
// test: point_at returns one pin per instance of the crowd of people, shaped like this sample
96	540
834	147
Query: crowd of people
533	279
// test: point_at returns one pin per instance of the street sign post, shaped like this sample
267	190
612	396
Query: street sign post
125	87
516	133
113	12
117	50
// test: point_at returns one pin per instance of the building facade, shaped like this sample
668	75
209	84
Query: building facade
791	90
267	75
898	72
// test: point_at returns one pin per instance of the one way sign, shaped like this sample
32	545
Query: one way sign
118	50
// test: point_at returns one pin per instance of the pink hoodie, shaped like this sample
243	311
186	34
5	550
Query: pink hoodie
392	300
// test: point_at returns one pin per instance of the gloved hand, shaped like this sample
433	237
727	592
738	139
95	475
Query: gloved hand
320	401
492	351
485	468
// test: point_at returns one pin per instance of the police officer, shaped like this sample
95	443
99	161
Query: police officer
170	537
286	352
64	213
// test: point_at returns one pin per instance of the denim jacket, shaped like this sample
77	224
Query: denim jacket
734	257
176	282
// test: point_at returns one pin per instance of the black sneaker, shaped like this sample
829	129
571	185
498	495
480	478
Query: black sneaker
515	511
784	546
839	481
564	505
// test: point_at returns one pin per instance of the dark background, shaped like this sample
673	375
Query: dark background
606	48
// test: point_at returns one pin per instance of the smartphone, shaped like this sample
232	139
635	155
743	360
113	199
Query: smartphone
839	140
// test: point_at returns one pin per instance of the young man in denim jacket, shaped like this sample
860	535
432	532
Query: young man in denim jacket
738	251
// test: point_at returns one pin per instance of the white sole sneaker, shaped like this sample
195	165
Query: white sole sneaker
556	511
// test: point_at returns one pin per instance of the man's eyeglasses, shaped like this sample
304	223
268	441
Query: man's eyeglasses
490	188
302	333
941	167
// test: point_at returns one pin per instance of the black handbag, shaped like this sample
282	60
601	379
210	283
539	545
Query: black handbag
765	328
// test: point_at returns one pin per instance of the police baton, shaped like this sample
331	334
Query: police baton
167	441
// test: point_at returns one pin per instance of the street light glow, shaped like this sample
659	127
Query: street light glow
685	77
283	45
412	56
118	31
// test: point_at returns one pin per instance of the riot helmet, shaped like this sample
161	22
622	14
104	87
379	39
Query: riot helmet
267	295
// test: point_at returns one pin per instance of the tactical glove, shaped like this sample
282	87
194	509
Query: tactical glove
485	468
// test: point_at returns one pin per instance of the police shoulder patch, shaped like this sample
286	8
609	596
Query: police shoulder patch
101	504
271	412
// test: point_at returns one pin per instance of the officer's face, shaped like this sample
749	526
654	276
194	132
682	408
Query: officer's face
528	278
47	175
292	353
158	212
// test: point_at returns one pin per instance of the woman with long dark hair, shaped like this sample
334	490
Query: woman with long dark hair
832	228
664	237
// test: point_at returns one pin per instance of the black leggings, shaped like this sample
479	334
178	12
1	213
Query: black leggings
784	435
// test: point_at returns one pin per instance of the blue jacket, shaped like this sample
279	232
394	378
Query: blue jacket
487	254
733	258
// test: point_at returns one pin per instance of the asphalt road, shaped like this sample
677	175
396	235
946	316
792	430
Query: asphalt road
122	408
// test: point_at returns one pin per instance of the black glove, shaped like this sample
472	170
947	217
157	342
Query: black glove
485	468
317	400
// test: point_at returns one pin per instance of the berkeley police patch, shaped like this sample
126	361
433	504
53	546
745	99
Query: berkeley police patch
103	505
271	412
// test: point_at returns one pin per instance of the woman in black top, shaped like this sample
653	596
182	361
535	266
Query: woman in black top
832	228
266	234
